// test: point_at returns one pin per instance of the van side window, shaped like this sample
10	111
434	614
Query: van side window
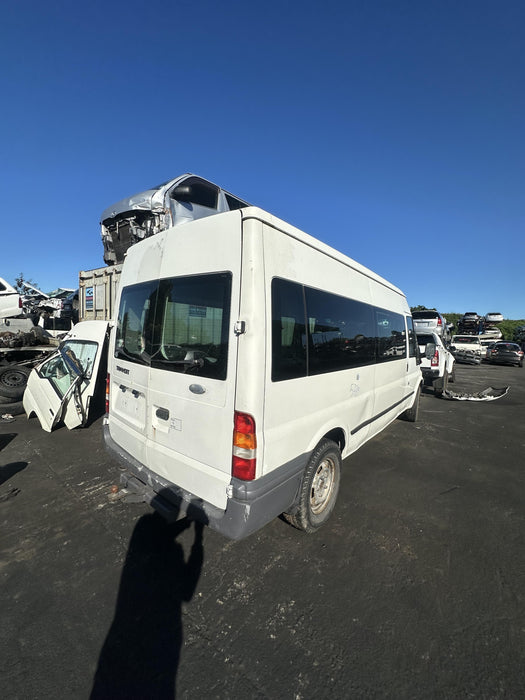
391	336
341	332
288	331
314	332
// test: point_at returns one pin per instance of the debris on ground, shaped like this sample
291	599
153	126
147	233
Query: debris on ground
489	394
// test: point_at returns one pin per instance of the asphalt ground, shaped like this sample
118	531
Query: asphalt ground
414	589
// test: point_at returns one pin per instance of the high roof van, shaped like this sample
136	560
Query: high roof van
247	360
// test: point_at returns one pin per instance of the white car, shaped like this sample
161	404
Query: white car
10	300
493	317
467	348
437	363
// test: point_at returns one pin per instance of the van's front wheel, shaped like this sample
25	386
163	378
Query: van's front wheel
319	488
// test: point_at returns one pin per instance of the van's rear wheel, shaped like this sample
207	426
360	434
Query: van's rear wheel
319	488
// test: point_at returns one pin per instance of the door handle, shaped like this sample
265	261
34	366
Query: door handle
162	413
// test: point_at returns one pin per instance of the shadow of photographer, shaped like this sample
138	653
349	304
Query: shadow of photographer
140	656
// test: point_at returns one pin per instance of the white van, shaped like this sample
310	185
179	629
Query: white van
247	360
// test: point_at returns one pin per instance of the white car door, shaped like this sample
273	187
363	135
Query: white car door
62	386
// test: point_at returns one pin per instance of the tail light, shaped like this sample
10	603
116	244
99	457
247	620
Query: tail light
440	322
435	360
244	447
107	394
20	303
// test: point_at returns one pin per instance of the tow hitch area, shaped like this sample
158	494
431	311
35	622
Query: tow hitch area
489	394
132	490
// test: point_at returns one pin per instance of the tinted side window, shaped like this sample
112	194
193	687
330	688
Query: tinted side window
340	331
234	203
391	336
288	331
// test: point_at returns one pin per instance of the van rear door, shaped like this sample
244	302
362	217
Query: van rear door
185	335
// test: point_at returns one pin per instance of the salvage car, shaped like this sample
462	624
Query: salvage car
429	321
10	300
186	198
437	363
467	349
493	317
504	353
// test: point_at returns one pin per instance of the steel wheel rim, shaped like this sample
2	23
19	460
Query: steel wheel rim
14	379
322	486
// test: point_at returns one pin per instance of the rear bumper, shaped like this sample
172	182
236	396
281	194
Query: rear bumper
429	373
250	504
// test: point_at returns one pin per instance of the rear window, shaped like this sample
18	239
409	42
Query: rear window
417	315
177	324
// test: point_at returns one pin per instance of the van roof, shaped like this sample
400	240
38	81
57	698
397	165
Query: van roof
264	216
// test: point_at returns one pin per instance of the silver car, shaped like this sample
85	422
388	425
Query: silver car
186	198
430	321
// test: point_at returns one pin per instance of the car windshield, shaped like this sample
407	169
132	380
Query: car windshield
466	340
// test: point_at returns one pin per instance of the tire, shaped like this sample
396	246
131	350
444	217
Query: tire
15	409
438	391
13	380
319	488
412	414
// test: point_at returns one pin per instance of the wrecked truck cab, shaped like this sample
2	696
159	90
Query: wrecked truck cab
62	387
178	201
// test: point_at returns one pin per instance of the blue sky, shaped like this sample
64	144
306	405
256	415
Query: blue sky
393	131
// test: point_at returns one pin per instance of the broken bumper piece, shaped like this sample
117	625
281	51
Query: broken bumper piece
489	394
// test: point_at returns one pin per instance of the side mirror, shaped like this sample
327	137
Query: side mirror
452	348
181	193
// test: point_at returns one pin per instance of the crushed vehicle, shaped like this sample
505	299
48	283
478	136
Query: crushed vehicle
467	349
62	387
437	363
10	300
505	353
185	198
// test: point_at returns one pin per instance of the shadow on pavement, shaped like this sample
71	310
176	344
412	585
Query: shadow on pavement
6	439
9	470
140	656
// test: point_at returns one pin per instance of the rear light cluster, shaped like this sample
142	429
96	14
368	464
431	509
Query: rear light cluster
440	322
20	303
107	394
435	360
244	447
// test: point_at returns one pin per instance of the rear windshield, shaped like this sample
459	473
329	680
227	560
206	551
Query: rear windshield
178	324
425	339
424	314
